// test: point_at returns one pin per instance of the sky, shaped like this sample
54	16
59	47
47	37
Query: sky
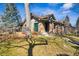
60	10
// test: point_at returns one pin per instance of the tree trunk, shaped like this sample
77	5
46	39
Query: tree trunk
28	17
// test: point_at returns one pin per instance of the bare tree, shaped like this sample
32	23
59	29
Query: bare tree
29	38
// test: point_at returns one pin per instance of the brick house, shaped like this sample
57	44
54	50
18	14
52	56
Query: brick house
47	24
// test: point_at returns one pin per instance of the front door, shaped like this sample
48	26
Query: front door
36	27
46	26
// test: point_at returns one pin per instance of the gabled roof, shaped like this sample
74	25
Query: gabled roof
42	17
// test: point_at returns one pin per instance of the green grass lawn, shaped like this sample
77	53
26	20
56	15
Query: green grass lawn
19	47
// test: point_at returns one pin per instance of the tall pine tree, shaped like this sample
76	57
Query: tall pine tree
67	21
77	23
11	17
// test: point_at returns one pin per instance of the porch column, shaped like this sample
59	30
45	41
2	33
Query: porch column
62	30
50	27
65	29
56	27
53	27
